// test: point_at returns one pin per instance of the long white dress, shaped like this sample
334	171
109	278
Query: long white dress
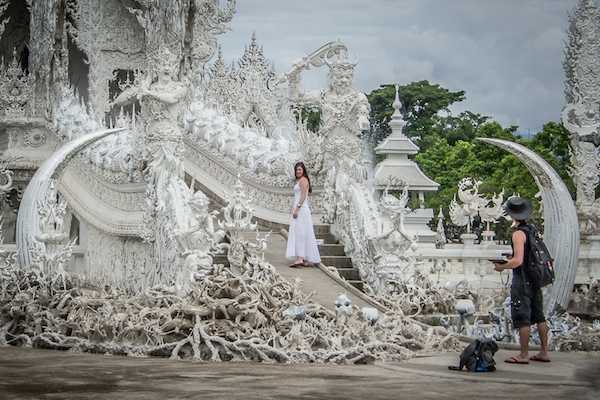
301	237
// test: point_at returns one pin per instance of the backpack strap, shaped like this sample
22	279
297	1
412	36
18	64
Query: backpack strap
530	233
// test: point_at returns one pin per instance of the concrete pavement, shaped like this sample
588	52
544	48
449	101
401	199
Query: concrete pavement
27	374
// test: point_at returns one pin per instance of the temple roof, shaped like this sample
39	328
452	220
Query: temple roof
397	147
405	169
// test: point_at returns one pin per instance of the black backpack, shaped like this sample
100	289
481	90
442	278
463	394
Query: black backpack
539	269
478	356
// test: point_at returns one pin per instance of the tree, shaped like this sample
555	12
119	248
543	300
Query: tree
421	103
447	161
553	144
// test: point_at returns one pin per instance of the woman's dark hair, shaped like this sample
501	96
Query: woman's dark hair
304	173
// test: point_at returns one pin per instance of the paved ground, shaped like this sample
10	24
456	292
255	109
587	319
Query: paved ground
45	374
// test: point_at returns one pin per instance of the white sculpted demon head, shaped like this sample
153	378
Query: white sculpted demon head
341	74
165	63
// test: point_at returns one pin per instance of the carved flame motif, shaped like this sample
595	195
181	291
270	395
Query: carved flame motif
16	90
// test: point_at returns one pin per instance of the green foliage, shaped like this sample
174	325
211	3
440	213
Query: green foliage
421	102
311	116
498	170
450	151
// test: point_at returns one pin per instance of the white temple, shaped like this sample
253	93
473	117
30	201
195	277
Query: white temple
121	137
397	165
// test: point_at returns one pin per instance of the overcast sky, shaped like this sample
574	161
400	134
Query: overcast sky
506	54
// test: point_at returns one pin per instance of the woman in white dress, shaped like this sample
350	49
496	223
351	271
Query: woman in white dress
302	244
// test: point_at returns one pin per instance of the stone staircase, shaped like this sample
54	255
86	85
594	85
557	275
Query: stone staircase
332	255
331	251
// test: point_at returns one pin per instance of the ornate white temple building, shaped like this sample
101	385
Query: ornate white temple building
135	127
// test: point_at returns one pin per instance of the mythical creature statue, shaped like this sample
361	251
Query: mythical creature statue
197	239
211	19
472	202
161	95
440	237
491	212
392	243
344	110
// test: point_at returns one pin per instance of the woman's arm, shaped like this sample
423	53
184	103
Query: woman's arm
303	193
518	239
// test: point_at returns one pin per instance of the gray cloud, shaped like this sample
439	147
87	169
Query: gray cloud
506	54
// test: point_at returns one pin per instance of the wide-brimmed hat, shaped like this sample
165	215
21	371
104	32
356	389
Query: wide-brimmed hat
518	208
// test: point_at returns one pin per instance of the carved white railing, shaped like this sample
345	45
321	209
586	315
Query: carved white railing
373	233
28	218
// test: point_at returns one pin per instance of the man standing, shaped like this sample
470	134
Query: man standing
527	304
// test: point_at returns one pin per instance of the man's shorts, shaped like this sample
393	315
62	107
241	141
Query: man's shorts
527	306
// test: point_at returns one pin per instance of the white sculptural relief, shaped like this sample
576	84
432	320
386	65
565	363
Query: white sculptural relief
472	204
491	212
246	146
16	88
243	93
392	244
581	115
50	253
462	213
196	236
226	122
3	20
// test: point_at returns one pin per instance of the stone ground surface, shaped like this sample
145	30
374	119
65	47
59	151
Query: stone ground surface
45	374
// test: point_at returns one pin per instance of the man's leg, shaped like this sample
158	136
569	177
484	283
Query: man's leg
543	355
537	317
520	311
524	342
523	357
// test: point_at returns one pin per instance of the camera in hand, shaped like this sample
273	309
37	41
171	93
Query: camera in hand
502	259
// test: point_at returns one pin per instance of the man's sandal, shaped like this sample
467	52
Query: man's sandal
539	359
515	360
